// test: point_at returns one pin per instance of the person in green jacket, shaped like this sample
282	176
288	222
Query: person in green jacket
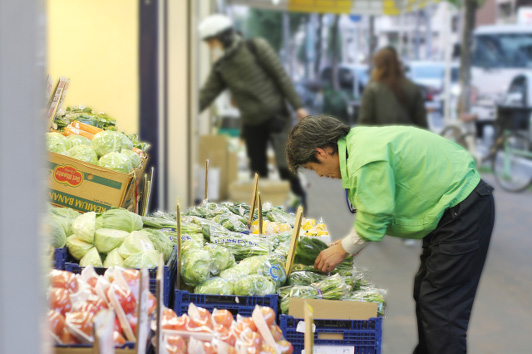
259	87
408	182
390	98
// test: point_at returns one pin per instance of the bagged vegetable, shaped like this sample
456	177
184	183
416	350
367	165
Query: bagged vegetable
221	258
297	291
136	242
308	249
332	288
145	259
83	153
120	219
107	240
58	143
241	245
113	259
117	162
84	226
161	222
91	258
254	284
195	267
106	142
215	286
305	278
133	157
79	140
231	222
370	295
77	247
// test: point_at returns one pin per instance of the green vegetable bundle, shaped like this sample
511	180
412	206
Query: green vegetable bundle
242	245
332	288
298	291
305	278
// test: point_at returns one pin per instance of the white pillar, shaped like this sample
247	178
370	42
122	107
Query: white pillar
23	177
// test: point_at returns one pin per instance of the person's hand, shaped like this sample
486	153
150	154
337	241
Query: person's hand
301	113
334	243
328	259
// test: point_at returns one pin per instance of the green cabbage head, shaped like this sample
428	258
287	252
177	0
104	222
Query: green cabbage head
83	153
107	141
58	143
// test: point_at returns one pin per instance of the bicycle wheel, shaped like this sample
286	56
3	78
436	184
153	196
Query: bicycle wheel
454	134
512	163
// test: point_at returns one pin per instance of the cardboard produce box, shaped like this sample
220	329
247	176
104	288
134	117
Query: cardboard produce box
215	148
274	192
86	187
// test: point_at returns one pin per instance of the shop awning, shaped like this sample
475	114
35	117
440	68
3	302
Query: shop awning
358	7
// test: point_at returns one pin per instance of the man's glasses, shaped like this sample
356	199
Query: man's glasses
349	205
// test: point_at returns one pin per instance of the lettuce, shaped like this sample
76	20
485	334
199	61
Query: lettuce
84	226
107	141
107	240
120	219
83	153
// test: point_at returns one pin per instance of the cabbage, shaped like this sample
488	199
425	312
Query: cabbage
92	258
83	153
64	222
161	242
107	240
56	142
113	259
146	259
133	157
84	226
64	212
120	219
215	286
195	268
235	272
56	232
221	258
78	140
136	242
126	142
117	162
77	247
106	142
254	285
273	268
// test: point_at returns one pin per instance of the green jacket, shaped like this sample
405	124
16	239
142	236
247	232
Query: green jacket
402	179
380	106
258	83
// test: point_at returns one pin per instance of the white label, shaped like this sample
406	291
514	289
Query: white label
332	349
301	327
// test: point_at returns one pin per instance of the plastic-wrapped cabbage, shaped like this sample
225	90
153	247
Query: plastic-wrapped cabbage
136	242
191	241
113	259
279	215
254	284
234	273
145	259
117	162
77	247
56	231
84	226
215	286
161	242
133	157
195	267
91	258
221	258
83	153
126	142
79	140
107	141
272	267
107	240
58	143
305	278
120	219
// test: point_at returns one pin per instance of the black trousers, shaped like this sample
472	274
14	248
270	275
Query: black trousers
257	138
451	264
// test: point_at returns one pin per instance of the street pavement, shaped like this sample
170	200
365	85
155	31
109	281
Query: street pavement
501	320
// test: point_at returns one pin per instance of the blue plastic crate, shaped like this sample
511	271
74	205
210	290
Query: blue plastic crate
364	335
169	276
60	257
237	305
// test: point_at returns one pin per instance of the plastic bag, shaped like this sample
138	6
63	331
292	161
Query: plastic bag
215	286
221	258
254	284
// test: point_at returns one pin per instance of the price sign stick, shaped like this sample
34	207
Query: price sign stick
260	213
254	198
309	333
206	180
178	265
294	241
160	283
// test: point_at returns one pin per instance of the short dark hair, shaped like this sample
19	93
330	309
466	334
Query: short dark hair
311	133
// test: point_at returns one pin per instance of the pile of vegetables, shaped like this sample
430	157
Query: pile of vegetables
94	138
76	299
199	331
